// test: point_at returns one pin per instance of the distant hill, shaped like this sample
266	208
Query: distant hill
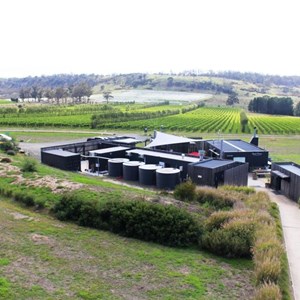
246	85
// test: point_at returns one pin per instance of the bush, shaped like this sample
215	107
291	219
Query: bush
240	189
233	239
5	160
29	165
268	291
23	197
185	191
166	225
215	198
11	152
268	270
267	254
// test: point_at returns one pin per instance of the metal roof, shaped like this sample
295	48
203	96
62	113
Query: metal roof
162	139
234	146
60	152
214	163
108	150
127	141
280	174
163	155
291	168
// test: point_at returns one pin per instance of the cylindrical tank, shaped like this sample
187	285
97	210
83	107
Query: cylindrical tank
115	166
147	174
131	170
167	178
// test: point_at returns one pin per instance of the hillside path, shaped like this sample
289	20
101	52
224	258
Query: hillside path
290	219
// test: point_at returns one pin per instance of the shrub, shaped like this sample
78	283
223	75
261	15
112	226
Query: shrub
240	189
268	291
217	219
167	225
185	191
268	270
8	145
5	160
23	197
233	239
267	253
11	152
29	165
215	198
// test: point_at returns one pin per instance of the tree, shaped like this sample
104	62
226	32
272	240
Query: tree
232	99
59	93
107	95
297	110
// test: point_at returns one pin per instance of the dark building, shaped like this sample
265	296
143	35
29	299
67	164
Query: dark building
98	159
237	150
61	159
285	178
164	159
215	172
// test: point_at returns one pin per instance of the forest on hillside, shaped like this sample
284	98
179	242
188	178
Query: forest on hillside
185	81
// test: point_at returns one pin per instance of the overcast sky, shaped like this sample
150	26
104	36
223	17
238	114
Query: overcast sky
42	37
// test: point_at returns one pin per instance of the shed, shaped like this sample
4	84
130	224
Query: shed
237	150
61	159
98	159
285	178
215	172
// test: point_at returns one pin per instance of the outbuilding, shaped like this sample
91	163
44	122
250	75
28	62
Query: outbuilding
215	172
98	159
285	178
237	150
61	159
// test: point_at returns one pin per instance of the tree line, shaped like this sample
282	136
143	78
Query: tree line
272	105
77	93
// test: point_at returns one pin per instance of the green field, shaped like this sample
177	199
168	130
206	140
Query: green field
175	118
48	259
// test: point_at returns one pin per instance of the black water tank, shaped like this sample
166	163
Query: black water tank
147	174
115	166
131	170
167	178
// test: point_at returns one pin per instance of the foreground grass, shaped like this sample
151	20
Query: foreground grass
41	258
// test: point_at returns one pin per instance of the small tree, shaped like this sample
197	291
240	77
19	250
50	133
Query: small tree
232	99
297	110
107	96
29	165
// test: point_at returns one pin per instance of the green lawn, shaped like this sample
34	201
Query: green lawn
42	258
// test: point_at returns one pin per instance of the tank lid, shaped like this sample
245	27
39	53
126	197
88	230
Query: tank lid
168	171
118	160
150	167
133	163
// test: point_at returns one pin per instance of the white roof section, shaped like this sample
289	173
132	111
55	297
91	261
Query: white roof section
168	155
127	141
107	150
162	139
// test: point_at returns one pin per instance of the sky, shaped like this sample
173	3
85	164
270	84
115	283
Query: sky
44	37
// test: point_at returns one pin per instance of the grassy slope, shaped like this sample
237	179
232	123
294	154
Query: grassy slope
41	258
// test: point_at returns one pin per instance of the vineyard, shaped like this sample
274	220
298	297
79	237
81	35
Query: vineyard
137	116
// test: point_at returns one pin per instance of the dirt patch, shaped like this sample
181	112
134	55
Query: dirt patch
19	216
56	186
42	240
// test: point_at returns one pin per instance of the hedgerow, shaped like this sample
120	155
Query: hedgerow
167	225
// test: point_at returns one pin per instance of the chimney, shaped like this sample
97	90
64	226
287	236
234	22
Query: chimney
254	140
